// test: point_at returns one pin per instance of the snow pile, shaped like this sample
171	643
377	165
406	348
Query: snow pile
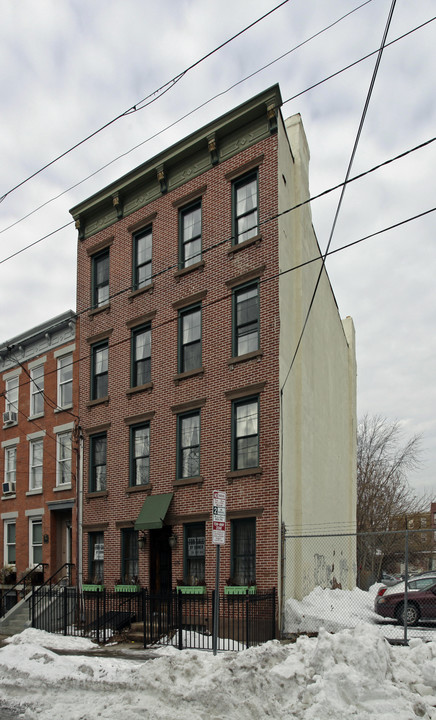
332	609
354	673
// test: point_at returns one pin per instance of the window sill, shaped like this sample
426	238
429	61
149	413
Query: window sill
139	388
9	425
97	494
9	496
140	291
36	491
35	417
255	355
96	311
59	488
197	480
98	401
191	268
245	472
132	489
256	240
190	373
63	408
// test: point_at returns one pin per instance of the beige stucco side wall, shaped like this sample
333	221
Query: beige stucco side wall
318	396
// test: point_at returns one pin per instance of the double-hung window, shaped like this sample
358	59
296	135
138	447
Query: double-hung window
35	530
99	370
97	473
245	319
190	234
11	398
37	390
243	548
190	339
65	381
245	208
9	542
141	356
96	557
36	456
100	278
10	475
188	443
142	249
129	556
245	433
63	458
139	454
194	556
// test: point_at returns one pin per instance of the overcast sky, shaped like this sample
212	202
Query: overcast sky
70	66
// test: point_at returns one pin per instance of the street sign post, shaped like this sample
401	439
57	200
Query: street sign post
218	539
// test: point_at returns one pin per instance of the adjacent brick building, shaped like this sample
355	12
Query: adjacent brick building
39	391
192	289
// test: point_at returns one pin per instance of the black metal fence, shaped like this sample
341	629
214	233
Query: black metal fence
181	620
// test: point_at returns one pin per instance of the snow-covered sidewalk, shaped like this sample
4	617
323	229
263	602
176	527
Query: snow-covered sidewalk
352	674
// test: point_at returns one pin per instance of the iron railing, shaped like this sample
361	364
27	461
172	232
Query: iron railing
11	595
174	618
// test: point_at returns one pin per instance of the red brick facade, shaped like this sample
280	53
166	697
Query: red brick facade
251	493
40	501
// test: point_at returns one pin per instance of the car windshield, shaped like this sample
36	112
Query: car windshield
422	583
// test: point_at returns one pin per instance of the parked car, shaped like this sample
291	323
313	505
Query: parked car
389	580
421	600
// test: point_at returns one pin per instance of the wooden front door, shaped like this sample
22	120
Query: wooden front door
160	561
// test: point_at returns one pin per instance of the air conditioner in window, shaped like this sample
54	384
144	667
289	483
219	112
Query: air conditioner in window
8	487
9	417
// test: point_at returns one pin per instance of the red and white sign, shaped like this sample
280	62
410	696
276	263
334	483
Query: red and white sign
219	518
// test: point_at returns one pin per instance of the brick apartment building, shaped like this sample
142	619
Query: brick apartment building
191	308
39	391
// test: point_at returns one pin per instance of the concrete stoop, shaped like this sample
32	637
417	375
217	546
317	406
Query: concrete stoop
16	619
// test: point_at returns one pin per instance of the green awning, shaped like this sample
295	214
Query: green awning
153	512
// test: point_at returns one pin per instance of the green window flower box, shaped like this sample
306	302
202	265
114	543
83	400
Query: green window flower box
191	589
92	588
127	588
240	589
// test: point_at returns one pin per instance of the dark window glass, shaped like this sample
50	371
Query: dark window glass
96	557
195	543
142	249
129	556
141	356
190	235
245	440
140	455
98	449
99	370
246	319
245	210
100	278
188	445
190	339
244	551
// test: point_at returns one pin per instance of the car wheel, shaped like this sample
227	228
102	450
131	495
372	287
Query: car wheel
412	614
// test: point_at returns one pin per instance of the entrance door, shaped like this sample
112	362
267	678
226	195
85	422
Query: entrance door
160	561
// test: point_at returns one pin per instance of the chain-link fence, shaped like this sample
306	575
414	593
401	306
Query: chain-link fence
339	581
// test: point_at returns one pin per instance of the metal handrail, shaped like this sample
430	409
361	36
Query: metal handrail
23	583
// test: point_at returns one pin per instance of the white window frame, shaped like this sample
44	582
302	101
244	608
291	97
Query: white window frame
10	476
12	388
34	520
62	362
36	390
60	461
33	466
6	544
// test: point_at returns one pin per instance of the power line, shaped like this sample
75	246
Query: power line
347	175
145	102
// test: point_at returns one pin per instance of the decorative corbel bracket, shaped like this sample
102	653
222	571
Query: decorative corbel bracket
162	178
272	119
118	205
80	227
213	149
